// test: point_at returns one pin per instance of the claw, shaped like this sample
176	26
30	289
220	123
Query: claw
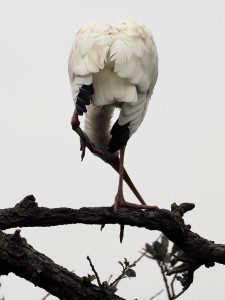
85	142
121	202
82	148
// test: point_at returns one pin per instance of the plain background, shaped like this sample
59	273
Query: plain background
177	155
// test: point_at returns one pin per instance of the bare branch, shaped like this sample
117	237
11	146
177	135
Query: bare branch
171	223
156	295
172	285
46	296
95	272
20	258
162	269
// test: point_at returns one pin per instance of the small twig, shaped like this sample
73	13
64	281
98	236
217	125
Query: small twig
179	294
172	285
159	237
46	296
149	256
121	233
179	269
110	277
183	259
156	295
139	258
95	272
187	280
165	280
116	281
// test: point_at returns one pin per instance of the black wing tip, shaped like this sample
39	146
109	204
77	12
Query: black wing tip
79	110
84	98
115	148
89	89
120	136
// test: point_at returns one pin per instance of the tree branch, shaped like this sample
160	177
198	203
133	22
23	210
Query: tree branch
205	252
20	258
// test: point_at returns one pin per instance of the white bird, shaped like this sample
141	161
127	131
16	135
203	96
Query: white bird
112	64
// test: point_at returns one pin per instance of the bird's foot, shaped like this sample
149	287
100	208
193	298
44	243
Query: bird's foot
120	202
84	139
85	142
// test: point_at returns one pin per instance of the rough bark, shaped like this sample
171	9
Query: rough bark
20	258
28	214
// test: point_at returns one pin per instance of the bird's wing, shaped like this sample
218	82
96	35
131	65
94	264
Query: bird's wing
131	116
135	58
87	55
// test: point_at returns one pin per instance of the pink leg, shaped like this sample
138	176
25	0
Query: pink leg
119	199
75	123
116	165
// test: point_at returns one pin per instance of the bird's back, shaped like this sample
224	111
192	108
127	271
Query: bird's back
118	58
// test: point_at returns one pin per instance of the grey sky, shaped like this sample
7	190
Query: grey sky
178	154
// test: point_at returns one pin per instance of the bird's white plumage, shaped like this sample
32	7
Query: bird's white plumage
120	60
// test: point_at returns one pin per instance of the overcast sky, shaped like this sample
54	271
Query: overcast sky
177	155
